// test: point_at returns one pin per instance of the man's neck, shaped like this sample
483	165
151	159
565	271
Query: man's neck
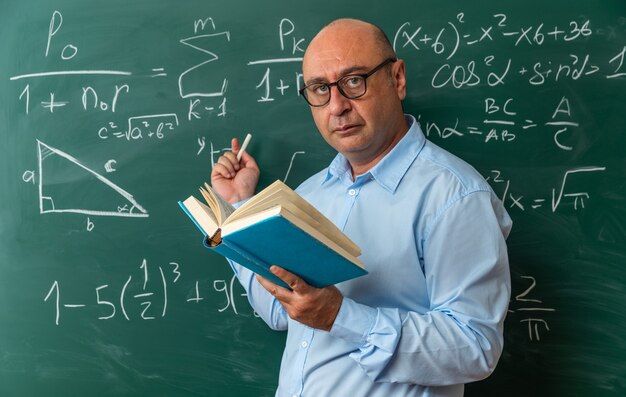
361	166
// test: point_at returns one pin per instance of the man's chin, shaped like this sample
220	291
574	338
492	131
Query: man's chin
349	144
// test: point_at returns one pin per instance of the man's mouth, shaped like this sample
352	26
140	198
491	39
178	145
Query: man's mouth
346	128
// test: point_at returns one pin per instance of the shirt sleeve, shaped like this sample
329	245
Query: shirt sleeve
266	306
460	339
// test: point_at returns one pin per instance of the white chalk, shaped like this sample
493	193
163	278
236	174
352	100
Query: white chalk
246	141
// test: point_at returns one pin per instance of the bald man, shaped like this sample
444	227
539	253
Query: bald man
428	317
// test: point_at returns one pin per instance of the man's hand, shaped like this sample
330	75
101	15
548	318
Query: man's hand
235	180
315	307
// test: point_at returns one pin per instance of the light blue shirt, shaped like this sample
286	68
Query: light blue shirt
429	315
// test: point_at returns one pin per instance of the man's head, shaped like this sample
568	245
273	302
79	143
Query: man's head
364	129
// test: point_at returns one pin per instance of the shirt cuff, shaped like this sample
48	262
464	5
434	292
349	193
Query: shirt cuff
354	322
242	202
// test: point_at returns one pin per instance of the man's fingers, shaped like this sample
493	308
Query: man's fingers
221	170
294	282
227	162
276	290
226	168
279	292
247	160
308	305
232	157
228	165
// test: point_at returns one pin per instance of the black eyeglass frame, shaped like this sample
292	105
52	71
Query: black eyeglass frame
364	76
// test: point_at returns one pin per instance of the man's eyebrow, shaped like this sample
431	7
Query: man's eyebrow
342	73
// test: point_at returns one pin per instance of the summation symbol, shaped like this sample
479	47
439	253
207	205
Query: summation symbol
198	43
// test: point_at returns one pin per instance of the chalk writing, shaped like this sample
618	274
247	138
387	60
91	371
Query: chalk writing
532	307
47	203
267	84
466	56
140	127
517	201
503	124
143	298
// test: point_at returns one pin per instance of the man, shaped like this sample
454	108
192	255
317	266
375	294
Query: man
429	315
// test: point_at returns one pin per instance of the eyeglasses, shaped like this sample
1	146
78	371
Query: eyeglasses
351	86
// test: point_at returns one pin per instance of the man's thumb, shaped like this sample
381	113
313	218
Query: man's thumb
234	145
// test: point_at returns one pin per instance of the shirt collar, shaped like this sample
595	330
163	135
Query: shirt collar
390	170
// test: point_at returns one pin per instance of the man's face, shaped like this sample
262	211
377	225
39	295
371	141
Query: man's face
358	128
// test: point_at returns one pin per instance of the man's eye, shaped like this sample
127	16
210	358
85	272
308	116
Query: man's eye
320	89
354	82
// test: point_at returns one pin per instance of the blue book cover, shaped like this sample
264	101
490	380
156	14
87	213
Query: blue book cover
276	241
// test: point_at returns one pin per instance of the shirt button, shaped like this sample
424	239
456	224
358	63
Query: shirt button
304	344
351	192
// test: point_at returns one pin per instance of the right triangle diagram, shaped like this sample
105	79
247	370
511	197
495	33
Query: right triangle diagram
66	185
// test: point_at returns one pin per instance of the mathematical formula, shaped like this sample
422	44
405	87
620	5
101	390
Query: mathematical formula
533	310
144	297
203	91
204	85
561	194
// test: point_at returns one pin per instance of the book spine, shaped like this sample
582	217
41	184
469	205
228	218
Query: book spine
239	255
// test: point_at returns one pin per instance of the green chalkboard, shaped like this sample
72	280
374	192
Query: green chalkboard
112	111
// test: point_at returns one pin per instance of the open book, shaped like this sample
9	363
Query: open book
276	227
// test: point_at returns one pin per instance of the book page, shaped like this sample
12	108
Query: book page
202	215
267	198
280	194
255	202
220	207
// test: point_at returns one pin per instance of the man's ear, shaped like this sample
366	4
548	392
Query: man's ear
399	78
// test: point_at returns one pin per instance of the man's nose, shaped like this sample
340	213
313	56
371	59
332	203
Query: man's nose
338	103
